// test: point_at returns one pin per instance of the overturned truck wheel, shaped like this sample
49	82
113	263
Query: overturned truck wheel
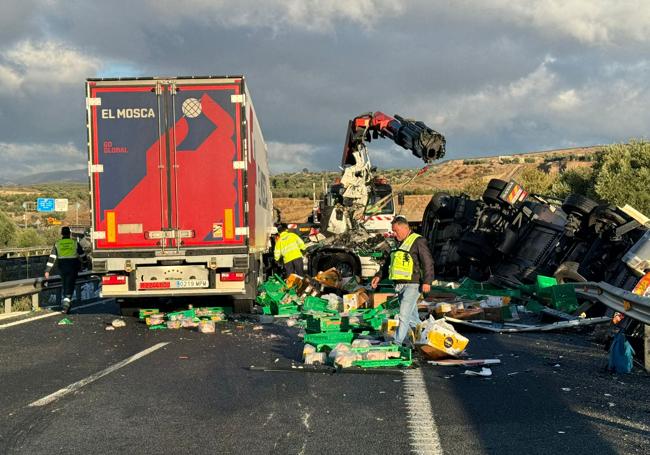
345	263
493	190
578	204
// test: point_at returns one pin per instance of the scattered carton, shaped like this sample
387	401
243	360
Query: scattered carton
439	339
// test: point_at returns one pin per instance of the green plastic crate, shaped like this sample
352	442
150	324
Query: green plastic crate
545	281
284	310
316	304
328	339
405	359
328	324
472	289
185	314
144	312
561	297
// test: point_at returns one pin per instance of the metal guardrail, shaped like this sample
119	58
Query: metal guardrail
23	252
32	287
626	302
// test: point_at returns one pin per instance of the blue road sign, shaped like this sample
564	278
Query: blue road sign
45	204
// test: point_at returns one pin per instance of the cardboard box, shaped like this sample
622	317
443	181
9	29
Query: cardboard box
438	339
388	328
498	314
379	298
355	300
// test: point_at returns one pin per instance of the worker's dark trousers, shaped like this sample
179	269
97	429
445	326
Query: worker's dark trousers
69	269
295	266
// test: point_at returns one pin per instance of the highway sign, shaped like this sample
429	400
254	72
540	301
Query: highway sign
60	205
45	204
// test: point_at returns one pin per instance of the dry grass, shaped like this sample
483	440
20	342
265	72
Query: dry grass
297	210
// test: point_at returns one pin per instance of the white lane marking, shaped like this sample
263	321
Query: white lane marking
47	315
13	314
422	426
92	378
24	321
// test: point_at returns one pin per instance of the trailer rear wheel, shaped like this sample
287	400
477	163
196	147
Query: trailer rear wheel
129	307
242	305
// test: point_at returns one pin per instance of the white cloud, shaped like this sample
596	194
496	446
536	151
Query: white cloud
542	105
603	22
22	159
279	15
285	157
32	66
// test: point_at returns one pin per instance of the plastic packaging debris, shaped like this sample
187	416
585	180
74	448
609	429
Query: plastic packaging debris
346	359
175	324
361	344
334	302
621	355
118	323
155	319
316	358
485	372
206	326
339	349
190	323
109	328
65	321
307	349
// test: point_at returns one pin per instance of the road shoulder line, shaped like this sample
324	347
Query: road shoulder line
92	378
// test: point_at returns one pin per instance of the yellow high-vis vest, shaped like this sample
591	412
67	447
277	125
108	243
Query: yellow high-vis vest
289	246
401	262
66	249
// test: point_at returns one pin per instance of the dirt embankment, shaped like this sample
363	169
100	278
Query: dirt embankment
297	210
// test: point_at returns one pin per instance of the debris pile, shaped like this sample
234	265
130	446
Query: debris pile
202	319
347	325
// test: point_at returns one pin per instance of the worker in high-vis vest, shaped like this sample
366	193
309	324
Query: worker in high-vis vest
411	269
289	247
68	255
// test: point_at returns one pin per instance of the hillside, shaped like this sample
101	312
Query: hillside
450	175
293	192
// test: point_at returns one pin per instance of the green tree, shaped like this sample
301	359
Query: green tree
536	181
475	188
29	237
622	175
7	230
579	180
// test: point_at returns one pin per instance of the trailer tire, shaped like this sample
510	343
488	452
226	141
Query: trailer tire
242	305
129	307
497	184
578	204
491	196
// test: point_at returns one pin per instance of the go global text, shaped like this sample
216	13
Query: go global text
128	112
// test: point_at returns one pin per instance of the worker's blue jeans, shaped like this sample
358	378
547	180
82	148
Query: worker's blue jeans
408	309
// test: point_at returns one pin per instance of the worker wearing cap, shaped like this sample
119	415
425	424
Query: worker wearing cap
68	254
289	247
411	269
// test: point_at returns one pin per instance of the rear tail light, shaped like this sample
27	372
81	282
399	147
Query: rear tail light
114	279
233	276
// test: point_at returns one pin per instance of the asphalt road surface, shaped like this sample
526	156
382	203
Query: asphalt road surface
79	389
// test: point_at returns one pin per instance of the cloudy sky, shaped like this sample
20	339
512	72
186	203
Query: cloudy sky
494	76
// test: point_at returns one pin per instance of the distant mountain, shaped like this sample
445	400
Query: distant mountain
74	176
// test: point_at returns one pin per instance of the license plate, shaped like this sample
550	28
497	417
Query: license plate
190	283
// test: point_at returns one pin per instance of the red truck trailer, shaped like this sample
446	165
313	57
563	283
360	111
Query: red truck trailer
179	178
